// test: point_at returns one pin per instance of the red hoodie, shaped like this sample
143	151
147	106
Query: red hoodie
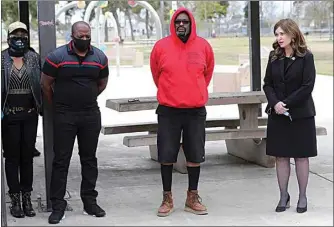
182	71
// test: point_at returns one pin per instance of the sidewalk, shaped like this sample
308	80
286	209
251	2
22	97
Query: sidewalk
236	193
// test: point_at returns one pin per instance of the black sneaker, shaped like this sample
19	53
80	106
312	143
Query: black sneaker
56	217
94	210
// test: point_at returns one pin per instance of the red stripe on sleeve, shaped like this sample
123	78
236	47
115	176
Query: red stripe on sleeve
51	63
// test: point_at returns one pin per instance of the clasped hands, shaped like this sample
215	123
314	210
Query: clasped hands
280	108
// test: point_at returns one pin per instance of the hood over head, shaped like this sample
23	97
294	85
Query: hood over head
192	32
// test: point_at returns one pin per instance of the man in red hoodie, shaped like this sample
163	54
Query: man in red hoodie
182	65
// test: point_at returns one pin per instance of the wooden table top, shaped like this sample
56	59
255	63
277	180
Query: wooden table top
219	98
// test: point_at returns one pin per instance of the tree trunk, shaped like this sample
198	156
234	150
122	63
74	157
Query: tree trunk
114	13
106	39
127	13
147	25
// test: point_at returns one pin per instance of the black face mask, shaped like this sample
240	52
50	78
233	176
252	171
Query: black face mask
17	46
81	44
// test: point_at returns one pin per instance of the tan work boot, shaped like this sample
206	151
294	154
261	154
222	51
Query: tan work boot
194	203
167	205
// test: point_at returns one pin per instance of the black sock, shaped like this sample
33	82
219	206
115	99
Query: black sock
166	175
193	177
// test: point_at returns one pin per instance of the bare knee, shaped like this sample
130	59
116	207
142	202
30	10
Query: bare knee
191	164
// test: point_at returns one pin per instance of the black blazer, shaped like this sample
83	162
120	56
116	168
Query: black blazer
292	86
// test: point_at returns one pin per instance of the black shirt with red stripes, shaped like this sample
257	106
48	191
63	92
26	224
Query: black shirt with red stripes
76	78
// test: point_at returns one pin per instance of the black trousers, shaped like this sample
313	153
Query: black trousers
18	137
86	127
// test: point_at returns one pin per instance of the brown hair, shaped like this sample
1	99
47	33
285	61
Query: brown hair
298	43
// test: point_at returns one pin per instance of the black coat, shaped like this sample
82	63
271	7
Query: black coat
32	63
292	86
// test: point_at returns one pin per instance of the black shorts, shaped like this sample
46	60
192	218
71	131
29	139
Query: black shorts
191	126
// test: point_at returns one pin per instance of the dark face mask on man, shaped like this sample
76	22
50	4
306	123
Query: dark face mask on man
81	44
18	45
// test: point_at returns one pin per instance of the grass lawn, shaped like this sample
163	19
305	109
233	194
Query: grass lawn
227	51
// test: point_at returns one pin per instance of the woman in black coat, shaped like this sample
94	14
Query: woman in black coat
291	131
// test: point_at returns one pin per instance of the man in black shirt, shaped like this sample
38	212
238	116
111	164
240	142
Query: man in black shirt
78	73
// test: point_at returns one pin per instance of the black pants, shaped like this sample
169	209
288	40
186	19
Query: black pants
18	137
67	125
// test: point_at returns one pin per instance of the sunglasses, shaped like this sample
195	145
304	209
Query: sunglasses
15	37
178	22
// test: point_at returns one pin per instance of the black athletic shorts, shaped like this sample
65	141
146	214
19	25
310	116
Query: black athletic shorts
176	123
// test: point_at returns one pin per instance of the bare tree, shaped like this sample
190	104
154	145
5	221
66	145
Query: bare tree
317	12
268	12
128	15
234	8
296	11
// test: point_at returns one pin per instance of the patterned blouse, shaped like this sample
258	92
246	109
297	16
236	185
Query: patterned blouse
20	94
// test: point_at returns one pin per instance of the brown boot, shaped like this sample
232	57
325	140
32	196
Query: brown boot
167	205
194	203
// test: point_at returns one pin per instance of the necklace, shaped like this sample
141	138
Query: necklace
291	57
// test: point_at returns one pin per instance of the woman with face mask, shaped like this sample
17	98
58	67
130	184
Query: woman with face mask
20	105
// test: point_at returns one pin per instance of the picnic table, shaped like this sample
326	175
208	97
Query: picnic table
245	136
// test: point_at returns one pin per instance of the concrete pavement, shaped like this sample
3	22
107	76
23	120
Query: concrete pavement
235	192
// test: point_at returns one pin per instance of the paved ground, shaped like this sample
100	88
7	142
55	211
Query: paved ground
236	192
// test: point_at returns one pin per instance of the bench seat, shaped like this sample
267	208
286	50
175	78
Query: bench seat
248	144
211	135
153	126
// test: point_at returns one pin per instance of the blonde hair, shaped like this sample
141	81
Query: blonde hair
298	43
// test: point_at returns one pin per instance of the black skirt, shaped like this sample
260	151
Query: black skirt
294	139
